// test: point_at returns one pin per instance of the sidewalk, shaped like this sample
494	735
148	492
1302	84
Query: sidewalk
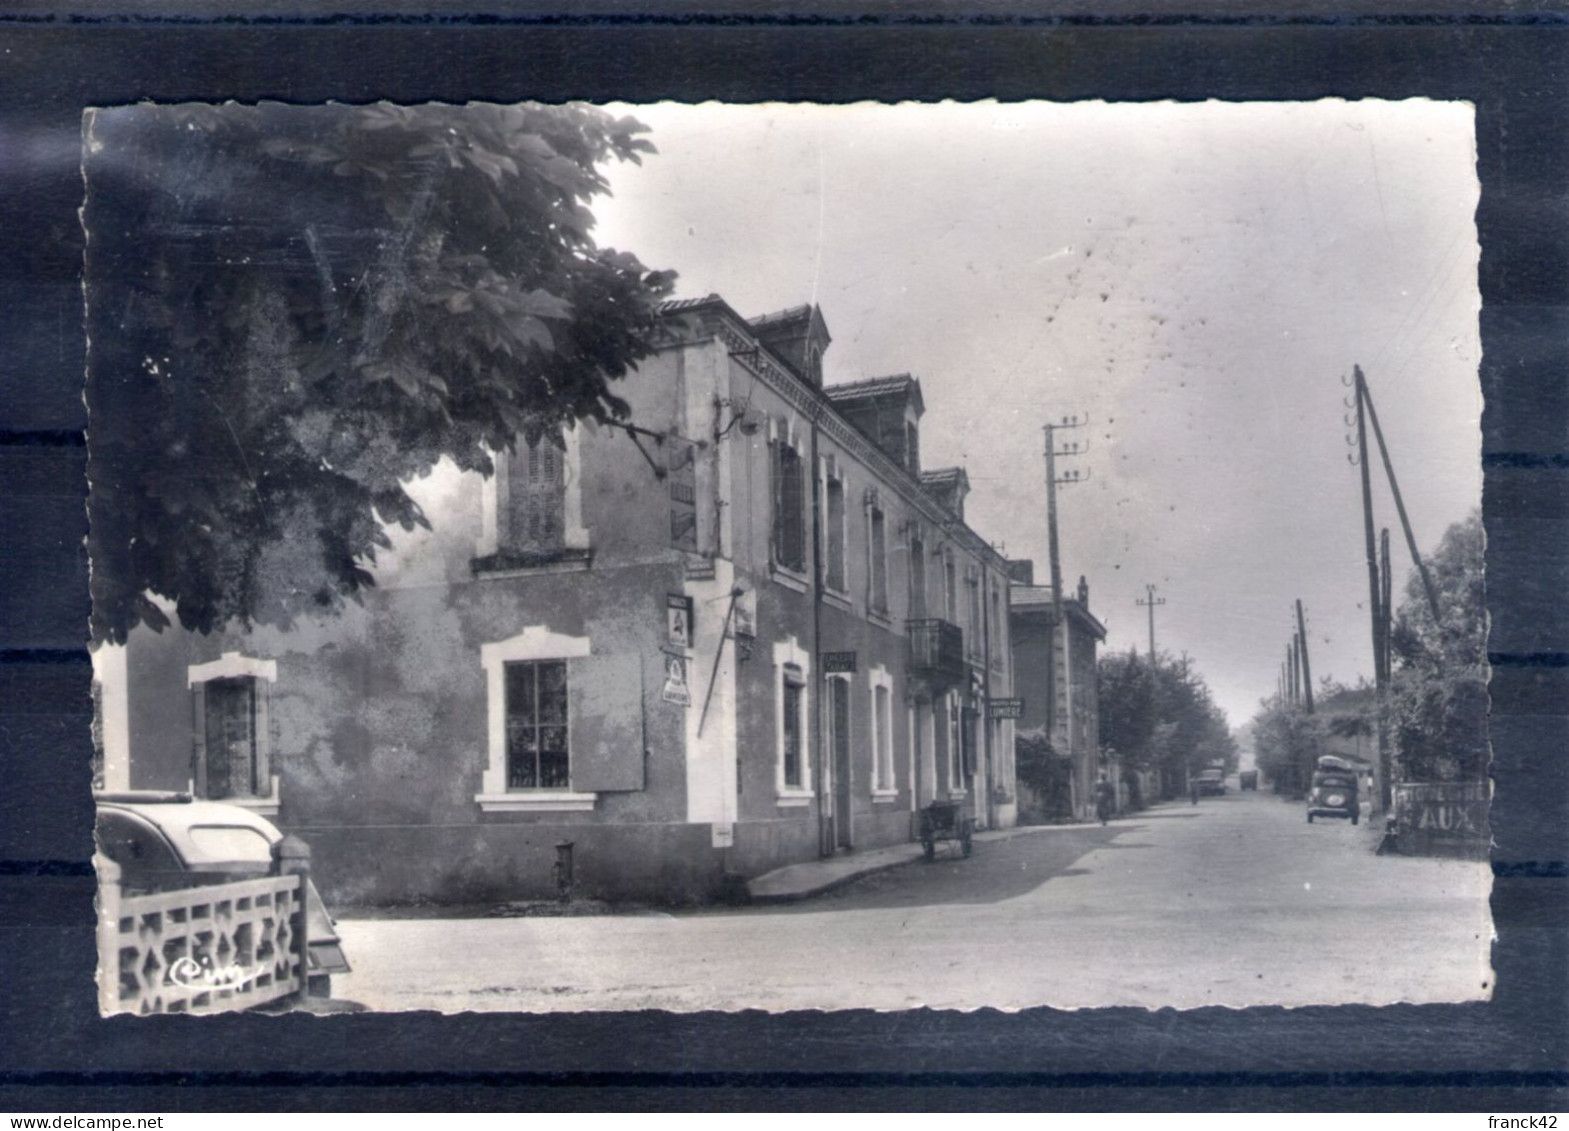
802	881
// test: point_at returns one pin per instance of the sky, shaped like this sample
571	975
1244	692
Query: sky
1193	280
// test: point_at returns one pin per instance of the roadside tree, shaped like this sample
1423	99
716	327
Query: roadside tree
293	311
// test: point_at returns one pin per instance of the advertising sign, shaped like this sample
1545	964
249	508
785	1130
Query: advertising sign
1007	708
676	689
838	662
678	620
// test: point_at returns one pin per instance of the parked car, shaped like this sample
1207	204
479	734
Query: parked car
167	841
1211	783
1334	790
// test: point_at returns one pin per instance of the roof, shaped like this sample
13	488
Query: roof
1038	598
792	314
944	476
676	305
877	387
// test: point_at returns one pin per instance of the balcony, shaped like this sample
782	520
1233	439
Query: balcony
936	651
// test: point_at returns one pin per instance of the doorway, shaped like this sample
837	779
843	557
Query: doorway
839	752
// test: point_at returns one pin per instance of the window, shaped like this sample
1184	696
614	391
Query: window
792	737
997	628
879	556
974	630
563	723
917	579
792	754
537	752
912	448
232	736
950	590
955	782
834	540
882	739
236	765
789	516
536	497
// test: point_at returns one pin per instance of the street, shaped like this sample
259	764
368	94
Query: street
1237	901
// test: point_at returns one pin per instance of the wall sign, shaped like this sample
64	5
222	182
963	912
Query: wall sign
838	662
676	689
678	620
1007	708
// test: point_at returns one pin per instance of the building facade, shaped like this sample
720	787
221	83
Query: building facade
746	631
1055	657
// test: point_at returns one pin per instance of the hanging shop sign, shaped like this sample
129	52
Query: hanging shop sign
838	662
678	620
681	479
677	690
1007	708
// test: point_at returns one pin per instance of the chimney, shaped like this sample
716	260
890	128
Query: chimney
1084	593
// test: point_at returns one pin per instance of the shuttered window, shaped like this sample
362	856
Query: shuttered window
231	738
536	497
834	543
879	593
789	509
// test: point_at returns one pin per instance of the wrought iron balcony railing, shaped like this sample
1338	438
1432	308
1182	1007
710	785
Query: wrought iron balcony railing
936	649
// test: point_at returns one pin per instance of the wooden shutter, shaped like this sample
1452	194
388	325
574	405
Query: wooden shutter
199	738
536	519
261	739
605	717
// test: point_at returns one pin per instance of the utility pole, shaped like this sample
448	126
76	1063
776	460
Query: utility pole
1061	729
1386	585
1150	602
1374	581
1053	481
1307	672
1400	506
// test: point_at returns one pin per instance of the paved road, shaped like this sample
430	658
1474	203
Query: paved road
1237	901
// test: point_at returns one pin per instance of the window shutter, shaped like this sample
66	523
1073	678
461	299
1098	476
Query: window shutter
261	739
199	738
605	704
776	481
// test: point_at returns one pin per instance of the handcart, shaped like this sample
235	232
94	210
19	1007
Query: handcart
945	821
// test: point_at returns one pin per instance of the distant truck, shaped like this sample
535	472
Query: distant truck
1247	779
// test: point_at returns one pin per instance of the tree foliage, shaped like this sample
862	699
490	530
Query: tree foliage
292	311
1161	716
1438	700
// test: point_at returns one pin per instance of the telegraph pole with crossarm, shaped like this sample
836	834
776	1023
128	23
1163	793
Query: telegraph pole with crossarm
1150	602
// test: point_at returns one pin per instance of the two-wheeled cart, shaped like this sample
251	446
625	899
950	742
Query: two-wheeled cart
945	821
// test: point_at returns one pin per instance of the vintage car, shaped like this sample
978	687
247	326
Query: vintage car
164	841
1211	782
1334	791
1247	779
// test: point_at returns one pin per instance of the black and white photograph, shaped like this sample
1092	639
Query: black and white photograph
783	556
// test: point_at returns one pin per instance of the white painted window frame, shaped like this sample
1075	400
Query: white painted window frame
885	775
534	643
789	652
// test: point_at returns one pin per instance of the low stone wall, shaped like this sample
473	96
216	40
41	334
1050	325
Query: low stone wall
1443	819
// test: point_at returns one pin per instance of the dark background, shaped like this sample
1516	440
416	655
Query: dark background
58	1056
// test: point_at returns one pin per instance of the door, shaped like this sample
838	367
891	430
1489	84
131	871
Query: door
839	746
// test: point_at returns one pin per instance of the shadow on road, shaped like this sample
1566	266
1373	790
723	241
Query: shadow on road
997	871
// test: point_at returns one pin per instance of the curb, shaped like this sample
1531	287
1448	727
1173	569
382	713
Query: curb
830	885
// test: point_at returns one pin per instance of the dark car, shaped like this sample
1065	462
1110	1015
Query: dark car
1334	794
1247	779
1211	783
167	841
